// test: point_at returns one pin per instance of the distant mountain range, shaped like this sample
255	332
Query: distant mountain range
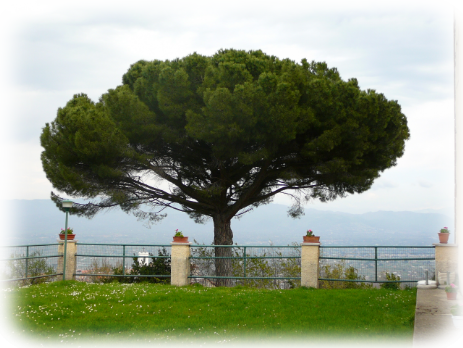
444	211
39	221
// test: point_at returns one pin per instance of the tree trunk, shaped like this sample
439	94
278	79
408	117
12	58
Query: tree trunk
223	235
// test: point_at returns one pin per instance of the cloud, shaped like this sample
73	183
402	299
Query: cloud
425	184
431	144
384	184
21	174
407	54
386	48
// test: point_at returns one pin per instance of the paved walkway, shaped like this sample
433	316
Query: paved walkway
433	321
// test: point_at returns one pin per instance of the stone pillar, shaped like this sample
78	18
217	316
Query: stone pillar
446	259
180	264
310	253
71	263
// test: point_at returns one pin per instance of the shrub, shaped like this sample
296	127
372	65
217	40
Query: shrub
102	267
157	266
341	271
391	286
35	267
255	267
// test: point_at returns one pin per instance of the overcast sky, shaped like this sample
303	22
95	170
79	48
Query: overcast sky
401	49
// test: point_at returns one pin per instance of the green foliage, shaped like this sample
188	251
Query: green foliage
277	266
67	231
451	288
444	230
341	271
157	266
391	286
254	268
178	233
99	266
227	132
36	267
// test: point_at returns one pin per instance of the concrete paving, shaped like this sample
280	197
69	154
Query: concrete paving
433	321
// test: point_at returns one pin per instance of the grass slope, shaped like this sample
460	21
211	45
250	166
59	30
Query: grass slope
75	311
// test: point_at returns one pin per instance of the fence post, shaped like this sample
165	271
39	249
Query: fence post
310	254
446	256
123	260
71	263
244	261
180	263
27	260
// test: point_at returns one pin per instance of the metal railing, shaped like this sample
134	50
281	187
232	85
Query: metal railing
251	265
29	264
378	264
107	262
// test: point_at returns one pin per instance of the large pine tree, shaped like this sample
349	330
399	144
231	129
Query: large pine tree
227	133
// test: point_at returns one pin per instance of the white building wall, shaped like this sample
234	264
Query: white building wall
458	105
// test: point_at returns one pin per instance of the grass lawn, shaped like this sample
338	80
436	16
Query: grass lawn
74	312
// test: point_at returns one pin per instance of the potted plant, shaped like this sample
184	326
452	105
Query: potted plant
451	292
444	235
179	237
457	315
311	238
69	232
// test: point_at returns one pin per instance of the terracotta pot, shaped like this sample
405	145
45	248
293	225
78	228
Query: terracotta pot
443	238
70	236
313	239
451	295
180	239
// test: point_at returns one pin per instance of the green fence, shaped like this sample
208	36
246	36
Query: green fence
377	264
276	267
29	264
123	262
